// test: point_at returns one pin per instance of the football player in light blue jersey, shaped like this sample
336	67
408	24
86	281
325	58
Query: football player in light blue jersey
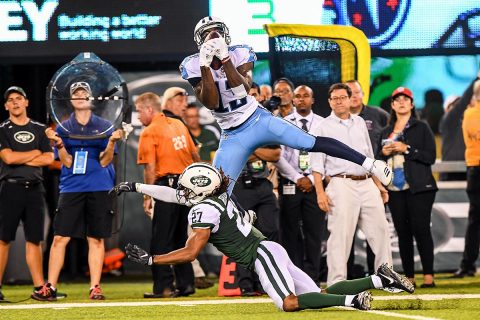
221	77
215	218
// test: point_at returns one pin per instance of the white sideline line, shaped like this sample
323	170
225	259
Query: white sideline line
49	305
400	315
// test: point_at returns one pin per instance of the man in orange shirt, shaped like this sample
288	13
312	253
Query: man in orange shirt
165	149
471	136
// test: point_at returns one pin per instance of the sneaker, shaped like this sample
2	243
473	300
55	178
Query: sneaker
382	171
2	297
203	283
392	281
44	293
362	301
96	293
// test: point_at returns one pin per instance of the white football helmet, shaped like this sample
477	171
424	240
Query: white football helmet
198	181
206	24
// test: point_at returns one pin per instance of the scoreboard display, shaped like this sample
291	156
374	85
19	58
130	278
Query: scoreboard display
433	26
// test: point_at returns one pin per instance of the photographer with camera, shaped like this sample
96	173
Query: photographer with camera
281	103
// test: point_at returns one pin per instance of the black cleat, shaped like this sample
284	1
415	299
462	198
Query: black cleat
392	281
362	301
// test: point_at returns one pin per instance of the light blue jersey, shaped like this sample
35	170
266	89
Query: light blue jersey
245	124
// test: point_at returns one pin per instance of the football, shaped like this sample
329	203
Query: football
216	63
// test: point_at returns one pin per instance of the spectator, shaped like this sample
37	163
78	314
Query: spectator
433	109
84	207
208	142
255	192
266	91
375	119
302	221
453	146
409	147
165	149
24	150
352	196
283	88
471	135
174	102
255	92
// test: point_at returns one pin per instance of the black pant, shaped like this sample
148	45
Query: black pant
301	223
411	214
169	232
261	199
472	235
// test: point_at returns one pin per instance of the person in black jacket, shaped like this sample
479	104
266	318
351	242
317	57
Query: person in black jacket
408	145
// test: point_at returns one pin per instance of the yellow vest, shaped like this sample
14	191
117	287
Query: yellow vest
471	135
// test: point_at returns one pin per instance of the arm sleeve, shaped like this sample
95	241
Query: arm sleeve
162	193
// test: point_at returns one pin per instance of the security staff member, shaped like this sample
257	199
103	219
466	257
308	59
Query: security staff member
301	221
255	192
24	150
165	149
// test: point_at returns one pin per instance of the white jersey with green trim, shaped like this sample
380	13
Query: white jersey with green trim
230	233
231	111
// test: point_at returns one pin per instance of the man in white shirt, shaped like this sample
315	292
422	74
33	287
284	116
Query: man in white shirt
301	219
352	195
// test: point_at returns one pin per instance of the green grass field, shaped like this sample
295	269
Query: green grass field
193	307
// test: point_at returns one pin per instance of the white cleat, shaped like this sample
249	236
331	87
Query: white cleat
382	171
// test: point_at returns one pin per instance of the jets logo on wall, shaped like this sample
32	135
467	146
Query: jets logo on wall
380	20
24	137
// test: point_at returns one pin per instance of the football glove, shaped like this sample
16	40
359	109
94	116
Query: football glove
207	52
137	254
123	187
221	48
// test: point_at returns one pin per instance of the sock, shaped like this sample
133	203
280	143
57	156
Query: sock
349	300
368	164
53	288
377	282
351	286
317	300
335	148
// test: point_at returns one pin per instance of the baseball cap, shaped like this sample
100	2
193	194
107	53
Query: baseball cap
14	89
404	91
172	92
80	85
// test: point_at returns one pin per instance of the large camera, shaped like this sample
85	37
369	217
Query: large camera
272	103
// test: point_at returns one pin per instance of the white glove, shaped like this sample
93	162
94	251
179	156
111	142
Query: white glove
207	52
221	47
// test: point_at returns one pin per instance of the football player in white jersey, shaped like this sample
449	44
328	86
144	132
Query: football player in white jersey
221	77
214	218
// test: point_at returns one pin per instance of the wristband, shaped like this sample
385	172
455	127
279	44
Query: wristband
224	60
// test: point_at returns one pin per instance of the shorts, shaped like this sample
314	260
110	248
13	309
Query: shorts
84	214
22	203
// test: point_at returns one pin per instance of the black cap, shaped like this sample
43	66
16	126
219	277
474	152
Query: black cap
14	89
